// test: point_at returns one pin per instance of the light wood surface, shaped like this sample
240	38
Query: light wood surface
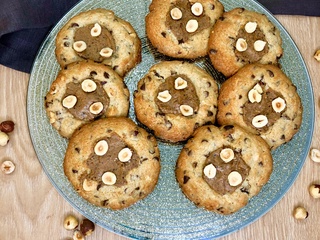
31	208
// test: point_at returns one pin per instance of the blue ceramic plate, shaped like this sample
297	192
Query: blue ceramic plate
166	213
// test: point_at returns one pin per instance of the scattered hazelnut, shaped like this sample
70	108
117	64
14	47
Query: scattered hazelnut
317	55
254	96
192	26
164	96
278	104
106	52
69	101
300	213
186	110
125	155
79	46
260	121
315	155
96	30
210	171
87	227
241	45
176	13
109	178
259	45
70	222
101	148
314	190
4	139
7	167
7	126
77	235
89	185
197	9
226	154
234	178
88	85
250	27
180	83
96	108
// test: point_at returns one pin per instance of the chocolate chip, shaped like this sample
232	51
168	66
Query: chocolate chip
271	74
143	87
93	73
213	51
228	127
240	96
213	7
209	114
244	190
74	25
206	94
106	75
163	34
77	149
283	137
185	179
74	171
194	164
66	44
221	18
180	41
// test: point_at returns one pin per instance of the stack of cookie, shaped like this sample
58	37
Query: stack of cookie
227	131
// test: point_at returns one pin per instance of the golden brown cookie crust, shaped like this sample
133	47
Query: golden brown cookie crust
234	94
221	45
60	118
175	127
191	162
128	45
166	42
140	180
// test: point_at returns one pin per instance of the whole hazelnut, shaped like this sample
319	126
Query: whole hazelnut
314	190
7	126
4	139
70	222
86	227
77	235
300	213
7	167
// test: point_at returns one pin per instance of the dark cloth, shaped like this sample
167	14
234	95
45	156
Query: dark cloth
25	23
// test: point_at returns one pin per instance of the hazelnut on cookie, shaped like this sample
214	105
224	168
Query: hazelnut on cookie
181	28
112	163
83	92
174	98
242	37
220	169
264	101
99	35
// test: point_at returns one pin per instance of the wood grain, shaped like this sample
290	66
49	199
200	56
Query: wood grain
31	208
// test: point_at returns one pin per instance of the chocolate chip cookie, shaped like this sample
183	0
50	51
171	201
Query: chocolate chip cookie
181	28
220	169
264	101
83	92
112	162
241	37
101	36
174	98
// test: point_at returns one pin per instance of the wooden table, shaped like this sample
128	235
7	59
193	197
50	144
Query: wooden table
31	208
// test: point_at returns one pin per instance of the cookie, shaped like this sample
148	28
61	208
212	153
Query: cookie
101	36
181	28
112	162
83	92
264	101
220	169
174	98
241	37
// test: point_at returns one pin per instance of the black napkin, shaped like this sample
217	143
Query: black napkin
25	23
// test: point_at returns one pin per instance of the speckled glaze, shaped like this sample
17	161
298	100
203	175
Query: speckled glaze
166	213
